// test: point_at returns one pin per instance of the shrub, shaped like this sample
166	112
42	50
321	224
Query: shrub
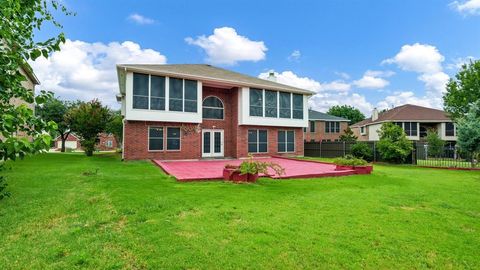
362	150
3	185
435	144
393	145
350	160
252	166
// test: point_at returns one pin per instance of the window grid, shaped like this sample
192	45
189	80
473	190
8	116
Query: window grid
158	138
257	143
286	141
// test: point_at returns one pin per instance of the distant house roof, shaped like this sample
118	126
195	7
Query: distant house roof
407	112
204	72
316	115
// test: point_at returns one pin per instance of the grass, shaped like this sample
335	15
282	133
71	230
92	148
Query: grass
68	211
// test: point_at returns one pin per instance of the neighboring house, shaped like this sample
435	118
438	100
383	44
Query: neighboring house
29	84
106	142
415	120
324	127
200	111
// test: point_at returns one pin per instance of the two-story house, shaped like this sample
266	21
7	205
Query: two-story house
415	121
324	127
195	111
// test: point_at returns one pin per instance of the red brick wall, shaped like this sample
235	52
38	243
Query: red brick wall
320	134
272	133
235	137
136	141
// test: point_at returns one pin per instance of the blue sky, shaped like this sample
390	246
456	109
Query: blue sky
362	53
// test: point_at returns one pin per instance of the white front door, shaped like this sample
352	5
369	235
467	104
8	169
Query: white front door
212	143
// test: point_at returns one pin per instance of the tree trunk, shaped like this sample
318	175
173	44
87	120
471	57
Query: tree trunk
64	137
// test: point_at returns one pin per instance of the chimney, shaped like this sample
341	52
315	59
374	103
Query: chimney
374	114
271	76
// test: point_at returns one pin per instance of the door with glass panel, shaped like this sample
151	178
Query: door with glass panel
212	143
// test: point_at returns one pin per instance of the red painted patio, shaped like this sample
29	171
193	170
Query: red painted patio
212	169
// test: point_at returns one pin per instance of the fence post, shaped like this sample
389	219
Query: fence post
320	149
374	152
344	152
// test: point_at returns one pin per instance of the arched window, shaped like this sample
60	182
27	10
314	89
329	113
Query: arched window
212	108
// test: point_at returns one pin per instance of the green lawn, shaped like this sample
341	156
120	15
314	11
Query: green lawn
132	216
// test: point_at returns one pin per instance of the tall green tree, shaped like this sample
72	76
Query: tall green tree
88	120
435	143
115	126
463	90
468	132
348	136
351	113
55	110
20	19
393	144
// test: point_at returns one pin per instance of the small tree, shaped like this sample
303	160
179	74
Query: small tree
351	113
435	143
468	132
393	145
115	126
20	22
88	120
362	150
463	90
348	136
55	110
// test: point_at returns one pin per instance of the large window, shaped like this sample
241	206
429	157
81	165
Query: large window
312	126
285	105
148	92
140	91
271	103
183	95
332	127
173	138
257	141
286	141
256	102
410	128
449	129
212	108
190	96
297	106
157	93
155	138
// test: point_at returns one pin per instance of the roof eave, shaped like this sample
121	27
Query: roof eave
213	79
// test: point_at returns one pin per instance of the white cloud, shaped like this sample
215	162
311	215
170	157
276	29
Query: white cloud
227	47
295	56
419	58
427	61
84	71
408	97
471	7
457	63
373	79
343	75
327	93
140	19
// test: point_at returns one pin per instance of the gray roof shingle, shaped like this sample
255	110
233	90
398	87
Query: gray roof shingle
316	115
211	73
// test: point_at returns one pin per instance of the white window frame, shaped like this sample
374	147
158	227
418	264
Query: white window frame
163	139
258	141
223	108
179	138
286	141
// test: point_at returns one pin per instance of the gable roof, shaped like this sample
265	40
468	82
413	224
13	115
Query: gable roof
204	72
316	115
408	112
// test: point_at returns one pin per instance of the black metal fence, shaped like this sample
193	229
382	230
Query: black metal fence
421	155
448	156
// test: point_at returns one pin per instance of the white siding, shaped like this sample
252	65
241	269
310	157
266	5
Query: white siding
244	117
163	116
